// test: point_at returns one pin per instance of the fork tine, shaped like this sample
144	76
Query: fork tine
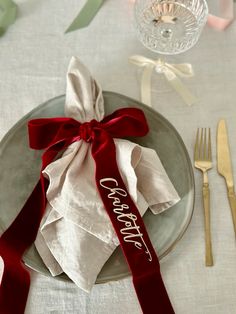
201	152
209	145
202	149
196	148
205	153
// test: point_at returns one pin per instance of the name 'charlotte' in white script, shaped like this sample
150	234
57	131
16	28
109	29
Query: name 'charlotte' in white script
131	231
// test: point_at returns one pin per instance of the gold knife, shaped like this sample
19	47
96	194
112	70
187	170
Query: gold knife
224	166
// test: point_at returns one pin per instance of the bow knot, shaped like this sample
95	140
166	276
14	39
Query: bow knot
86	130
160	66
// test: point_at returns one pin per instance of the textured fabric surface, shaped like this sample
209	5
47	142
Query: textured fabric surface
34	57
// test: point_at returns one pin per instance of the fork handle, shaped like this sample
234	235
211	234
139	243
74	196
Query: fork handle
206	204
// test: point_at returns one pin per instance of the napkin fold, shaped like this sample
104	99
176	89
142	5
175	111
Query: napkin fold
76	235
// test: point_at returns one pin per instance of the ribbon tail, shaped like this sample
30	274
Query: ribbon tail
130	229
13	243
14	287
182	90
226	15
146	85
86	15
17	239
8	15
219	23
150	290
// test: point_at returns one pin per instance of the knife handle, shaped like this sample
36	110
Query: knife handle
232	202
206	204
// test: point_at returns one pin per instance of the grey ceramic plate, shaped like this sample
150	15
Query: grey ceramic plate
20	168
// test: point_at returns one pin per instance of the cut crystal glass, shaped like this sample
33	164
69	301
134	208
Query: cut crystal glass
170	26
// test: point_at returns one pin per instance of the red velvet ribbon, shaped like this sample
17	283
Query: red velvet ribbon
54	135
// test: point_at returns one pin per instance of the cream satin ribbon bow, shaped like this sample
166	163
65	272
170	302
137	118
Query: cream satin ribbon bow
172	73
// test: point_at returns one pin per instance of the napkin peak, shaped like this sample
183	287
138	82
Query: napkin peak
84	99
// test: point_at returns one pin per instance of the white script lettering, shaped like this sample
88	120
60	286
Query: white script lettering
130	232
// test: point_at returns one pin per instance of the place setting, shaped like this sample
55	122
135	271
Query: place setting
203	161
62	220
103	183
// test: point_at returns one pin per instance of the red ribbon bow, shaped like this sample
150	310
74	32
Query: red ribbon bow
54	135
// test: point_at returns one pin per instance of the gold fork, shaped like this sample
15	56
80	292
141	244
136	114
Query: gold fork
203	161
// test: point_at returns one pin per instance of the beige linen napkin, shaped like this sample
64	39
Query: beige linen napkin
76	235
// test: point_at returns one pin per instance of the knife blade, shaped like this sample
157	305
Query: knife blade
86	15
224	166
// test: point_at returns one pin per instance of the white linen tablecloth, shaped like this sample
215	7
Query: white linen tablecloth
34	55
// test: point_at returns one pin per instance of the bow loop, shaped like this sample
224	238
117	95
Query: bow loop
126	122
44	133
182	69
